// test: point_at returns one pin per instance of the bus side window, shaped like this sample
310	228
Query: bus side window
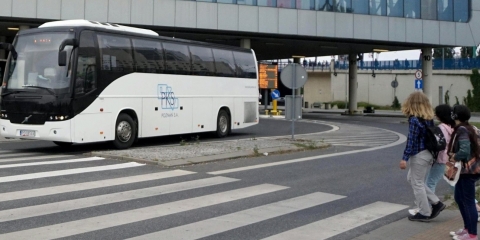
224	63
148	56
86	78
245	65
202	61
177	58
116	53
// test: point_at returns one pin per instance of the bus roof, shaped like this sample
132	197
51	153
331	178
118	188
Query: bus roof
95	24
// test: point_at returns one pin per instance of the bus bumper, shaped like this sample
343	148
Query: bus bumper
50	131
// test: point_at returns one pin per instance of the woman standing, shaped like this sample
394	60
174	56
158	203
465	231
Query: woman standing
419	111
464	147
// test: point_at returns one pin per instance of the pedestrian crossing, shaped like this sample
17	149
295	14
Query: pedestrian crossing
129	200
354	135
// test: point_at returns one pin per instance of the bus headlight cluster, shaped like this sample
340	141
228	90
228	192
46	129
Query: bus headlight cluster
4	115
58	118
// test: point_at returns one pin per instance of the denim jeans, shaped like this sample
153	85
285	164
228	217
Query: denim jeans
434	175
465	198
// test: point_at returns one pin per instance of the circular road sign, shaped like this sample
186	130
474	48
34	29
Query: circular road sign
394	84
418	74
294	75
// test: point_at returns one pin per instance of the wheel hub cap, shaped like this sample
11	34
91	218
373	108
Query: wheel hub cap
124	131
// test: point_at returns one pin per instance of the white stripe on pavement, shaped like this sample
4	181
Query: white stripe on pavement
401	139
51	162
18	154
239	219
141	214
56	207
67	172
7	160
340	223
9	196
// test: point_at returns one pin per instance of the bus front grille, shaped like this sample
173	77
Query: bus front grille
23	118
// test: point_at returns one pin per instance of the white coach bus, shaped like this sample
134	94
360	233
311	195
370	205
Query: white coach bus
80	81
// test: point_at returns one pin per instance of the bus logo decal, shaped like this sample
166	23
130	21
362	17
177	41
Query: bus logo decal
167	97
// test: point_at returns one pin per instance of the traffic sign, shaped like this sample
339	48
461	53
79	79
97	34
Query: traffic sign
418	74
275	94
418	84
394	83
294	76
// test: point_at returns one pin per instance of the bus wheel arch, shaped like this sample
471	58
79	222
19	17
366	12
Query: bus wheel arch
126	129
224	122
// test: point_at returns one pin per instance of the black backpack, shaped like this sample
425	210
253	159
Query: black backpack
434	140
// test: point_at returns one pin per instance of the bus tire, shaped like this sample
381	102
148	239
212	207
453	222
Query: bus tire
125	131
63	144
223	124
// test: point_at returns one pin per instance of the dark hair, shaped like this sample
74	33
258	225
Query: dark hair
444	114
461	113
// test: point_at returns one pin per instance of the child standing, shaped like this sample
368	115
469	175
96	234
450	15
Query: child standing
419	111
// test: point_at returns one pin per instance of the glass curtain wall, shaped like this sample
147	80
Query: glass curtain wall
445	10
267	3
360	6
324	5
429	9
395	8
412	9
286	3
460	10
306	4
378	7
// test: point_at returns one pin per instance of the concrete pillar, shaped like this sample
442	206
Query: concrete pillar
2	52
245	43
352	84
24	27
427	72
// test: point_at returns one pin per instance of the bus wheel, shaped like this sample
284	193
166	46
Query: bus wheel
125	132
63	144
223	124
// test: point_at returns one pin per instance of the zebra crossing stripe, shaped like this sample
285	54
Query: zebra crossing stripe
7	160
239	219
67	172
51	162
141	214
56	207
9	196
17	154
343	222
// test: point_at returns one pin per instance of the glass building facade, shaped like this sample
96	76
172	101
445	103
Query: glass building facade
441	10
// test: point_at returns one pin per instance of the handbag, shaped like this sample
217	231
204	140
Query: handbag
452	172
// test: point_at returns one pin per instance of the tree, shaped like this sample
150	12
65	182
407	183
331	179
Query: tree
396	103
447	53
475	99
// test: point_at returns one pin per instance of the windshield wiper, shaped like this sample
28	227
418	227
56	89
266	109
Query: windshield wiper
48	89
16	91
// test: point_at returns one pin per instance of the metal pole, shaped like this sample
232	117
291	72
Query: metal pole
294	73
443	58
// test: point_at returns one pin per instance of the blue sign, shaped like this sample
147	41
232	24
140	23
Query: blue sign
275	94
418	84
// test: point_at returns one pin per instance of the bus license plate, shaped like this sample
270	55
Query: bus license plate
27	133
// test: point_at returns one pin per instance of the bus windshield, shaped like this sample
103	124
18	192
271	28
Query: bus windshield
36	65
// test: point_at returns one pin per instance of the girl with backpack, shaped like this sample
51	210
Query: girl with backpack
420	115
464	147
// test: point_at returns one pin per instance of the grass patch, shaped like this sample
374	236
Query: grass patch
343	104
476	124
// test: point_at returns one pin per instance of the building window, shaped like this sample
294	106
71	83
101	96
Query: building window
412	9
395	8
286	3
324	5
461	10
227	1
267	3
306	4
378	7
445	10
344	6
360	6
429	9
247	2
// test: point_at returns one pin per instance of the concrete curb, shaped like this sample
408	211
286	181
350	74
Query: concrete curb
206	159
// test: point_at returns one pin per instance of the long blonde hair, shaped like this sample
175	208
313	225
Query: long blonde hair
418	105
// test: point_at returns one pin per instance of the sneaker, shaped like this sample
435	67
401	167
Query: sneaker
436	209
414	211
465	237
460	231
419	217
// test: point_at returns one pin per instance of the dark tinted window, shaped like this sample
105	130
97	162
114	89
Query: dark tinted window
202	61
224	63
177	58
360	6
148	56
86	78
461	11
245	65
116	53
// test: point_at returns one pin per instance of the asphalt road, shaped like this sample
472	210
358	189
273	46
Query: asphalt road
336	193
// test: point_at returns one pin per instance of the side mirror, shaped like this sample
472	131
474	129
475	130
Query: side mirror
62	58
